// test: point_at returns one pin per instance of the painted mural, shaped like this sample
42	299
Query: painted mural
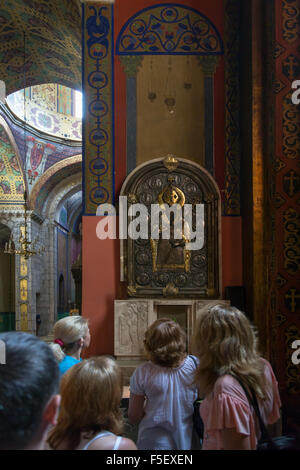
11	178
169	28
38	152
40	43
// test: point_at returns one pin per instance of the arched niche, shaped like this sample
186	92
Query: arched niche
169	53
177	270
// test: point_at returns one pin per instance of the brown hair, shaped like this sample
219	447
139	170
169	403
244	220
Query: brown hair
165	343
91	393
226	343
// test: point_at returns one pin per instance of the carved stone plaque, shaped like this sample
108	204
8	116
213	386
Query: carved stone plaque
131	322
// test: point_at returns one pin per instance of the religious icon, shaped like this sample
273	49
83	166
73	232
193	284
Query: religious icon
171	253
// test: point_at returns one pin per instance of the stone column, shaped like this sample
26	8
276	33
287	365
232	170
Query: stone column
131	63
24	302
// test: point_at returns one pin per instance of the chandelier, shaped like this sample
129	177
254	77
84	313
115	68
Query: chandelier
25	247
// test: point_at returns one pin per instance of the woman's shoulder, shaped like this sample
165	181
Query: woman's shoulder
270	377
227	385
69	360
266	365
108	442
127	444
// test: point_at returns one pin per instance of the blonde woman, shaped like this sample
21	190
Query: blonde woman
71	335
226	346
90	416
161	390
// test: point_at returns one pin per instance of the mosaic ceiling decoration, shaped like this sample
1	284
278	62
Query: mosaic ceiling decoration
52	51
11	178
48	109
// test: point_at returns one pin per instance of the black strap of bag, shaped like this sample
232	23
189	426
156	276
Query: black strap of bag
265	436
266	442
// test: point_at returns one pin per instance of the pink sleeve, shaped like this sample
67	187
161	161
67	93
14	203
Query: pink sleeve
273	394
229	412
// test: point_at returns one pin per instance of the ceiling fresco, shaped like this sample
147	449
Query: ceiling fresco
52	41
12	183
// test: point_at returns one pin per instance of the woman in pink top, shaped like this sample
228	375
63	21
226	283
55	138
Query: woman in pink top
226	345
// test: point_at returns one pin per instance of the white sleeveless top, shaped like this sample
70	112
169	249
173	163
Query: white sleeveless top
102	434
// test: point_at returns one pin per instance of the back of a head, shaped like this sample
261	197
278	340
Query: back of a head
225	333
67	331
165	342
226	343
28	379
91	393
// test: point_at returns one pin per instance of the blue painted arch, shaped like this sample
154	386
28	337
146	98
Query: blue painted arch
169	28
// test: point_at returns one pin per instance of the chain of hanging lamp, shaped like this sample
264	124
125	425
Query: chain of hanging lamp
25	247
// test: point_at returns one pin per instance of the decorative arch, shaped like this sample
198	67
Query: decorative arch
53	176
169	29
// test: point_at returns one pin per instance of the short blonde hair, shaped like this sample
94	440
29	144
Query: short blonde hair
165	343
91	393
226	343
68	331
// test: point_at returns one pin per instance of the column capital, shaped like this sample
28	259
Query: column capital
208	64
130	64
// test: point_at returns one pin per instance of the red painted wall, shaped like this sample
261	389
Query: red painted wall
101	274
101	260
100	280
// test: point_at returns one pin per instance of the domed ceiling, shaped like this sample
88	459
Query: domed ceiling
52	40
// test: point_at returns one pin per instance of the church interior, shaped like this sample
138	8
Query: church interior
102	99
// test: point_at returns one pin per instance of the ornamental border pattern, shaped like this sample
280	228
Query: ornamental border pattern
98	126
232	206
286	225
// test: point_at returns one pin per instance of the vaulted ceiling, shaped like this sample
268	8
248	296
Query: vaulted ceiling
40	42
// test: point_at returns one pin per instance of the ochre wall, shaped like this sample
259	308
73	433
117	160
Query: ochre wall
160	132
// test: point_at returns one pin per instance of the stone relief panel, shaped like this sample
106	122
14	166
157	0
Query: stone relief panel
131	322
